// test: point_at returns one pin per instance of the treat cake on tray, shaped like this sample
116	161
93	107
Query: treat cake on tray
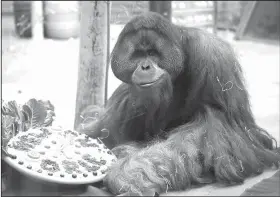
59	155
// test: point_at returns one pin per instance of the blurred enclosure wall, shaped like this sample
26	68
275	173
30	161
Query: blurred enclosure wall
228	16
188	13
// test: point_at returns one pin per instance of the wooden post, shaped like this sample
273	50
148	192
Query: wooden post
37	20
215	16
109	5
23	18
161	7
93	56
245	18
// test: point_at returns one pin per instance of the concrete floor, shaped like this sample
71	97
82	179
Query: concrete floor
47	69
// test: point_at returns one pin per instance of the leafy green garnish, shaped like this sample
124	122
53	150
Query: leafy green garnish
19	118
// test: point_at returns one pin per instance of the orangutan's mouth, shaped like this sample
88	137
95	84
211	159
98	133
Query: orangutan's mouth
149	84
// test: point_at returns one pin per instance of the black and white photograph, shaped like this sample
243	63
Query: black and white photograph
140	98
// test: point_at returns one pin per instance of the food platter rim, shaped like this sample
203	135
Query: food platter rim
52	179
36	175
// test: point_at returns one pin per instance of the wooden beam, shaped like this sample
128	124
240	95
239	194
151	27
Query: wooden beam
93	57
37	20
215	16
246	16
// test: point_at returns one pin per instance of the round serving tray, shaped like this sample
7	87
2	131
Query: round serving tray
59	156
